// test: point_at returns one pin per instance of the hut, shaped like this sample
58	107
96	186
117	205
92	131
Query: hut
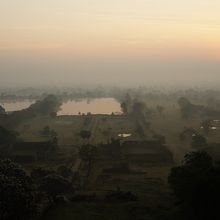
146	151
32	151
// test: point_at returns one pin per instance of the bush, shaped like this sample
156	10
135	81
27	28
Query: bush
196	186
16	192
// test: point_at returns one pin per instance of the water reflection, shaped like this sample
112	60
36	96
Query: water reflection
94	106
124	135
74	107
10	106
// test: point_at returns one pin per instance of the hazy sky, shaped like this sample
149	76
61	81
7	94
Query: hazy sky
109	41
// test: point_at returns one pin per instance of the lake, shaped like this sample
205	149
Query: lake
10	106
73	107
95	106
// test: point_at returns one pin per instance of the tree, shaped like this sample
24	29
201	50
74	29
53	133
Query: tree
46	131
38	173
7	137
2	110
88	153
128	100
64	171
187	133
107	133
53	114
198	141
84	134
186	107
198	160
16	192
196	186
206	126
139	110
124	108
160	109
140	129
47	106
160	138
55	185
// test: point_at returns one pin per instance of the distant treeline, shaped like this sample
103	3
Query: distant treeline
195	95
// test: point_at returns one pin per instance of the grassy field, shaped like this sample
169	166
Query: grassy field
67	128
154	198
108	211
103	128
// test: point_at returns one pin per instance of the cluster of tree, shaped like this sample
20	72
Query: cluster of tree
160	109
186	107
199	142
120	196
17	200
85	134
55	185
48	132
126	104
88	153
139	129
138	110
211	97
133	107
196	186
189	110
20	193
187	133
7	137
47	106
140	114
206	126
